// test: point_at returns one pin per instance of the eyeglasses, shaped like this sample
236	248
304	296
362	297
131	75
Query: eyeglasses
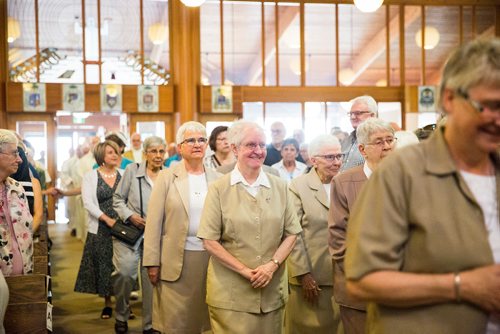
14	154
358	113
221	139
381	142
480	106
156	152
332	157
253	146
193	141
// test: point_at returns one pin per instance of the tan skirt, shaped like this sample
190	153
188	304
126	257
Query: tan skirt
230	322
303	318
179	307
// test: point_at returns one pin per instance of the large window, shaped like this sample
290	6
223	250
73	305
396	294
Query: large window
102	44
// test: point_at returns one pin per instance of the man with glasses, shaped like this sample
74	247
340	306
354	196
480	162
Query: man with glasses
376	141
362	108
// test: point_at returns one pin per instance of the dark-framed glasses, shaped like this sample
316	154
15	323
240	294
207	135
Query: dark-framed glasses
492	105
381	142
193	141
332	157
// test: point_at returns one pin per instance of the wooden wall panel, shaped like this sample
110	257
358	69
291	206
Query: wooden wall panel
53	97
319	94
14	97
92	98
166	98
129	98
411	99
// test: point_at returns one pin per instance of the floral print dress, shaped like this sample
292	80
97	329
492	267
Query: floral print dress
16	236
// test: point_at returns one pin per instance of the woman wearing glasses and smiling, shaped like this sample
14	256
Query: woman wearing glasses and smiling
310	308
249	227
130	201
175	258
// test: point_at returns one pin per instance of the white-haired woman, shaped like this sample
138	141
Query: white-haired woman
174	256
16	242
131	201
310	308
249	227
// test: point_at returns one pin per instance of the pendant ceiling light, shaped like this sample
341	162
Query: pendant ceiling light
431	38
157	33
193	3
346	76
13	29
368	6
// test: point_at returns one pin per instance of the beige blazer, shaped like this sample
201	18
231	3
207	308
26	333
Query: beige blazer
310	254
345	189
251	229
167	221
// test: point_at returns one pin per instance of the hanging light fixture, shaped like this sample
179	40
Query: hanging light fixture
381	83
193	3
368	6
431	38
157	33
346	76
13	29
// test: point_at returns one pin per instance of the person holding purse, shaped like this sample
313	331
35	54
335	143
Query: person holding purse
130	201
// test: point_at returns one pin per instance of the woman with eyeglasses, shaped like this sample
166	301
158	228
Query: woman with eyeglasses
16	242
310	308
376	141
131	201
249	227
423	245
174	257
222	153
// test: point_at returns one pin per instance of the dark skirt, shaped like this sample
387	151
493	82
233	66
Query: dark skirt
96	266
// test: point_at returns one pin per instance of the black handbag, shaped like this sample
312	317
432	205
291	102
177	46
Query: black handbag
127	232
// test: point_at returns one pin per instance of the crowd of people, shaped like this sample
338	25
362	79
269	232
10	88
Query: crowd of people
348	233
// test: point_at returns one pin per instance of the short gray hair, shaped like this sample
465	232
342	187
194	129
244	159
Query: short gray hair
475	63
237	131
321	141
369	101
153	141
189	126
7	137
369	127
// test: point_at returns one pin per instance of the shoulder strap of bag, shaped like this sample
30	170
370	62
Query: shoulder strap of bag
140	192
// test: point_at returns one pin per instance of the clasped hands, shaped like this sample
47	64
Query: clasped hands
261	276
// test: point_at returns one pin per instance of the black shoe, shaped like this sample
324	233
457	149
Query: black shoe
73	233
121	326
151	331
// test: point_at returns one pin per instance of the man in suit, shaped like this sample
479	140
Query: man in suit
376	141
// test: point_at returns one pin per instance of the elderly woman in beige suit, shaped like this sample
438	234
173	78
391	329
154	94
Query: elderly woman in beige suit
310	308
249	226
175	257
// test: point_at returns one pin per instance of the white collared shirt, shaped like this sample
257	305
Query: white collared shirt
286	175
252	189
368	172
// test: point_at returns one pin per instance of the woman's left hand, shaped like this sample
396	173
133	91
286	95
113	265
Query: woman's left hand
262	275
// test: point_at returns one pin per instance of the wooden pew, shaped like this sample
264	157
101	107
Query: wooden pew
27	308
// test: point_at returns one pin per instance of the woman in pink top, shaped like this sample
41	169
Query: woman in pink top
16	243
